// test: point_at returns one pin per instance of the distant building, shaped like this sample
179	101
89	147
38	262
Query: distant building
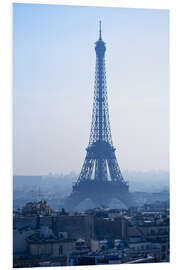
36	208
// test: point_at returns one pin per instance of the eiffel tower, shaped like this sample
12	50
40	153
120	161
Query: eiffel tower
100	179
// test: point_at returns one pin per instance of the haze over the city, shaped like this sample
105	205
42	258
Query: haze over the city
54	65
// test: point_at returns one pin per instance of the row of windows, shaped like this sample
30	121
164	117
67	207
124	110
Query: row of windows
143	247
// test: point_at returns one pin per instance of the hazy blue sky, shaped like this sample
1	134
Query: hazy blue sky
54	65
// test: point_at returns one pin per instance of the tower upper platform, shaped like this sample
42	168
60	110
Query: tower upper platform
100	47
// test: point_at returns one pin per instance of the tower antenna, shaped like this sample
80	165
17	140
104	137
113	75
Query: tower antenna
100	29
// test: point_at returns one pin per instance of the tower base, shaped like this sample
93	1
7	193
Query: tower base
90	194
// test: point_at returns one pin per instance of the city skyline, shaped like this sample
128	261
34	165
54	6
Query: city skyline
47	106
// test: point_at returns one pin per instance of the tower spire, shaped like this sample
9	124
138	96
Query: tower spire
100	30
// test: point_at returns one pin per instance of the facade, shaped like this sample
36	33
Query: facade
77	226
49	248
111	228
154	231
44	243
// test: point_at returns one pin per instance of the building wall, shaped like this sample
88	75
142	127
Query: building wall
164	251
75	226
156	230
133	231
66	248
51	249
20	222
158	235
40	249
94	245
116	228
46	221
140	246
19	240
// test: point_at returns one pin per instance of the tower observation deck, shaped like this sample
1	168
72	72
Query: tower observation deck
100	178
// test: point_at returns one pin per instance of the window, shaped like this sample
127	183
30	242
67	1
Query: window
163	256
152	231
60	250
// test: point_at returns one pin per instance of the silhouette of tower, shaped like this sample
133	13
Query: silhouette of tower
100	178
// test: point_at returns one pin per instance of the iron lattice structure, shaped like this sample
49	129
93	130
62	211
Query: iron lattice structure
100	162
